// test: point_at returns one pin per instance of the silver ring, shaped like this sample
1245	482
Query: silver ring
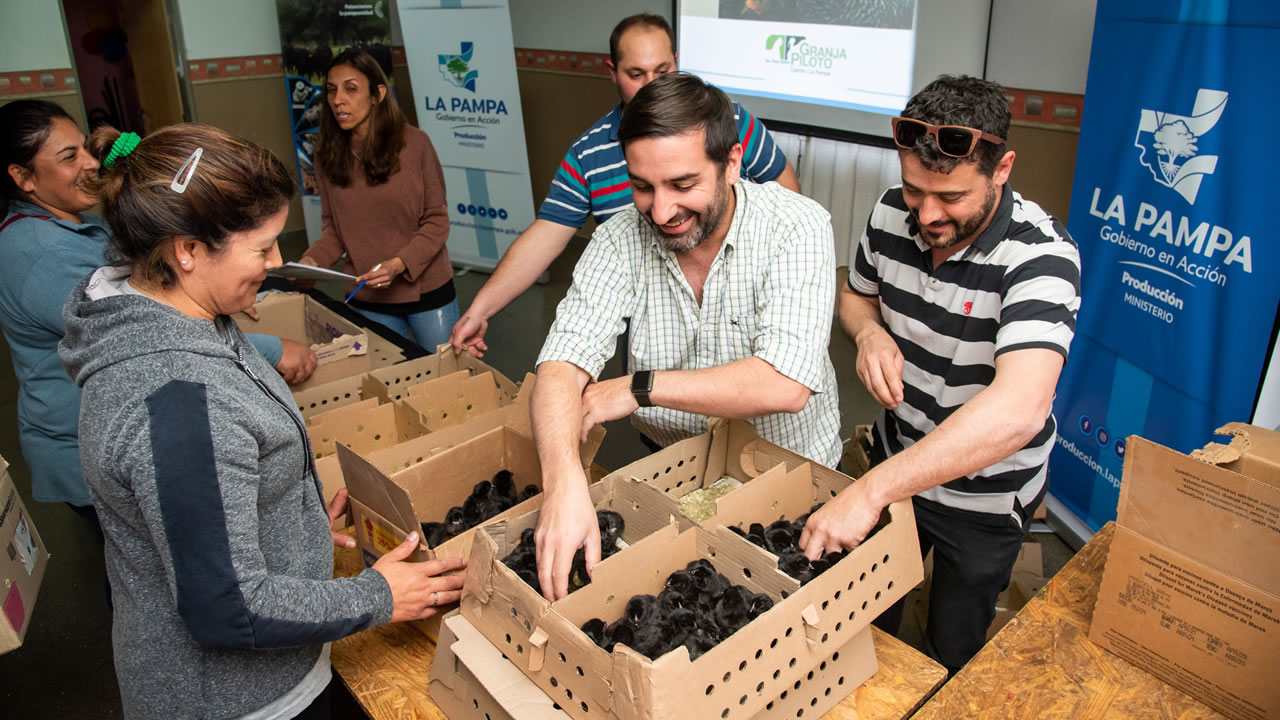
435	599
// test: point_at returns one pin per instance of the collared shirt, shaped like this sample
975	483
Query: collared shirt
769	293
1016	287
593	178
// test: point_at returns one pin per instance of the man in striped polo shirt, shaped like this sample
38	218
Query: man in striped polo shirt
592	177
962	303
730	287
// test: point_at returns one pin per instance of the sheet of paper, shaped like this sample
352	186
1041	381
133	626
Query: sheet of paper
300	271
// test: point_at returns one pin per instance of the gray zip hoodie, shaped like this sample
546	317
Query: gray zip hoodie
217	541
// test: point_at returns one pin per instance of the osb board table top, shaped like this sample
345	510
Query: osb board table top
1042	665
388	670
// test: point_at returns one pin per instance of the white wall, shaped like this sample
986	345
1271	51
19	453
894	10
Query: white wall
32	36
580	25
1041	44
229	28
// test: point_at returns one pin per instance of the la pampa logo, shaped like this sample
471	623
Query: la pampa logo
1168	143
457	68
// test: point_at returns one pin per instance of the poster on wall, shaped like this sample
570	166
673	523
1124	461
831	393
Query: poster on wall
1179	298
312	33
462	66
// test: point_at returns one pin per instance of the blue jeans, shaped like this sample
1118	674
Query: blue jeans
429	329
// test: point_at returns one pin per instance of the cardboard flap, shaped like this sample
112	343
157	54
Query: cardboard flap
1253	452
370	387
372	487
478	581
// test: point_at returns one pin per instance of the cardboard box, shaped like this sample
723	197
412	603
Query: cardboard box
1191	590
401	455
393	382
343	349
856	460
385	510
471	678
729	447
364	427
737	678
22	563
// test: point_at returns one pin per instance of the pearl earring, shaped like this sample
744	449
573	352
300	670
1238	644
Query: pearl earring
184	262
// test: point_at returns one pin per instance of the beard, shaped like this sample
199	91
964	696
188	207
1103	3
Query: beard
705	223
952	232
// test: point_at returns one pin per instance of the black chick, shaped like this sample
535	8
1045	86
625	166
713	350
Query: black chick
681	581
434	533
760	604
643	610
732	610
455	522
669	601
529	491
796	565
594	629
504	486
611	527
778	540
621	631
698	645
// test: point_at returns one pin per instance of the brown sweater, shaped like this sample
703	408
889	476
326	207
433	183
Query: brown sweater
406	217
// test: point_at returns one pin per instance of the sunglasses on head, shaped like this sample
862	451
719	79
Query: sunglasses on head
954	140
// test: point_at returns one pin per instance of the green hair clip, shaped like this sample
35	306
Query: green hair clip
121	147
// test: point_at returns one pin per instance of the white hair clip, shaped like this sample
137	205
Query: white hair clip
186	172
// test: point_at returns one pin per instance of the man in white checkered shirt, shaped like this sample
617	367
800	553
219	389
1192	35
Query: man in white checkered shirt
962	301
730	287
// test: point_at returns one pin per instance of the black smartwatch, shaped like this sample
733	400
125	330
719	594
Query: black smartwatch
641	386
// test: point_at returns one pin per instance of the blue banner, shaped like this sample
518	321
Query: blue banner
1179	294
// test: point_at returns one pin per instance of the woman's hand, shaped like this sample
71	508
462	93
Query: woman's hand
419	590
301	283
383	273
337	507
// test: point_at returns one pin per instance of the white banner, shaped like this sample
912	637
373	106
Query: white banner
462	66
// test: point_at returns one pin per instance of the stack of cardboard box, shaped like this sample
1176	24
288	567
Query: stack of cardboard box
22	563
1191	589
799	658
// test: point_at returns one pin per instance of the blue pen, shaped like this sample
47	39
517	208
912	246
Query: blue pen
362	282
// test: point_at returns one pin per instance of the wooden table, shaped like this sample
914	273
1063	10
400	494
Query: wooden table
387	670
1042	664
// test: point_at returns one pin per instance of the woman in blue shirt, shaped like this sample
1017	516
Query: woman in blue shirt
48	242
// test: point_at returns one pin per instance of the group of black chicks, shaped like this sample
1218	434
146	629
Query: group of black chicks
698	608
488	498
523	559
782	538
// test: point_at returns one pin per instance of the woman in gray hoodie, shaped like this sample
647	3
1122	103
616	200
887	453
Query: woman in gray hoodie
218	545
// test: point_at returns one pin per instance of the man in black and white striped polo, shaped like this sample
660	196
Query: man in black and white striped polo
962	301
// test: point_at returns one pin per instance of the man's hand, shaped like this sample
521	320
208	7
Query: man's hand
337	507
843	523
300	282
468	334
383	273
297	361
880	366
606	400
567	522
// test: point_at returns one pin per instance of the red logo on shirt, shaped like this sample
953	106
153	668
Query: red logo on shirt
968	307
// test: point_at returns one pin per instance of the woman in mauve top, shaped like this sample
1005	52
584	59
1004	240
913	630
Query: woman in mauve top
383	204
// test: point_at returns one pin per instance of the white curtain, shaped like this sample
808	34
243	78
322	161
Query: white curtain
845	178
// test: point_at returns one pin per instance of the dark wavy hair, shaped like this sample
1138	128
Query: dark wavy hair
236	187
961	100
24	127
677	103
380	156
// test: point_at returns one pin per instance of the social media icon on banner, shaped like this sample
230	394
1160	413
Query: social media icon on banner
1086	425
1104	436
1119	448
